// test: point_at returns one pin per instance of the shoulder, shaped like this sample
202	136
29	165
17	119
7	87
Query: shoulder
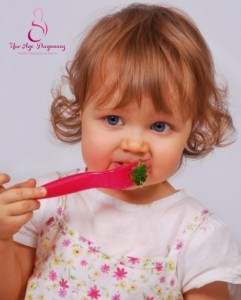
210	254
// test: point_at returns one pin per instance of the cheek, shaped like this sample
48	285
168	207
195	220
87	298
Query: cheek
169	159
172	159
94	151
89	148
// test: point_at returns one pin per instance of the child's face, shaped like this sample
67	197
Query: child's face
113	136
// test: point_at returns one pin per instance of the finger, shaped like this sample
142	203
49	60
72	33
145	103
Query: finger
21	207
14	224
4	178
29	183
18	194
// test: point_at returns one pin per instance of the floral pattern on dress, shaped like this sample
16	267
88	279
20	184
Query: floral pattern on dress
68	266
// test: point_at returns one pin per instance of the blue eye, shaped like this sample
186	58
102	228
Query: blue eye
160	127
114	120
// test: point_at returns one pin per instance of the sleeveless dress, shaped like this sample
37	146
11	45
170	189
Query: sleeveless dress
68	266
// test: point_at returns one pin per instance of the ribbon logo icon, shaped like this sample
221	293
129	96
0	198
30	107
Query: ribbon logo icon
39	27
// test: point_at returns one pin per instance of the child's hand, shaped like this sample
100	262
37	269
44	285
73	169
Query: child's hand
17	204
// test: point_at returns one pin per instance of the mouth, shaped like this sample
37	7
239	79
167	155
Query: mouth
118	164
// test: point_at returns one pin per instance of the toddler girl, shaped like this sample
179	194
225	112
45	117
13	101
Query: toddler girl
143	89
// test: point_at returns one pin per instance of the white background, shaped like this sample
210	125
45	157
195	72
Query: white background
27	145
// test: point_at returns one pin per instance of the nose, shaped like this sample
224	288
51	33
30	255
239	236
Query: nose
137	146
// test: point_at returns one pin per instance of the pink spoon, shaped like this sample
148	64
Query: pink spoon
117	179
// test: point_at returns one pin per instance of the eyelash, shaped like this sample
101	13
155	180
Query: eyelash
117	121
111	120
164	126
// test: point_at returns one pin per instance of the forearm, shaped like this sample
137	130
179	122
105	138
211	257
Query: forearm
11	281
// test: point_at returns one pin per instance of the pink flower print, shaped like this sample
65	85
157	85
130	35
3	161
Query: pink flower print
83	239
94	293
116	297
205	212
172	282
66	243
62	293
83	263
59	211
133	260
63	283
159	266
49	221
179	245
149	298
163	279
120	274
105	269
52	275
93	249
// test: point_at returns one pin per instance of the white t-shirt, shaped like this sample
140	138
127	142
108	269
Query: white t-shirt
120	228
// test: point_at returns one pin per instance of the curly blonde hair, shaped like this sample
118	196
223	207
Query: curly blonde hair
155	50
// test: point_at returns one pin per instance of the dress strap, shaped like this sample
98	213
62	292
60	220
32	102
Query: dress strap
61	210
187	232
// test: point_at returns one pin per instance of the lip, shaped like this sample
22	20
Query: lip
117	164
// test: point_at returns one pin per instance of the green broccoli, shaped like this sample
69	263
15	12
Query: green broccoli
139	174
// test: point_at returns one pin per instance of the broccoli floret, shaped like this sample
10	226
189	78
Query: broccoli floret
139	174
